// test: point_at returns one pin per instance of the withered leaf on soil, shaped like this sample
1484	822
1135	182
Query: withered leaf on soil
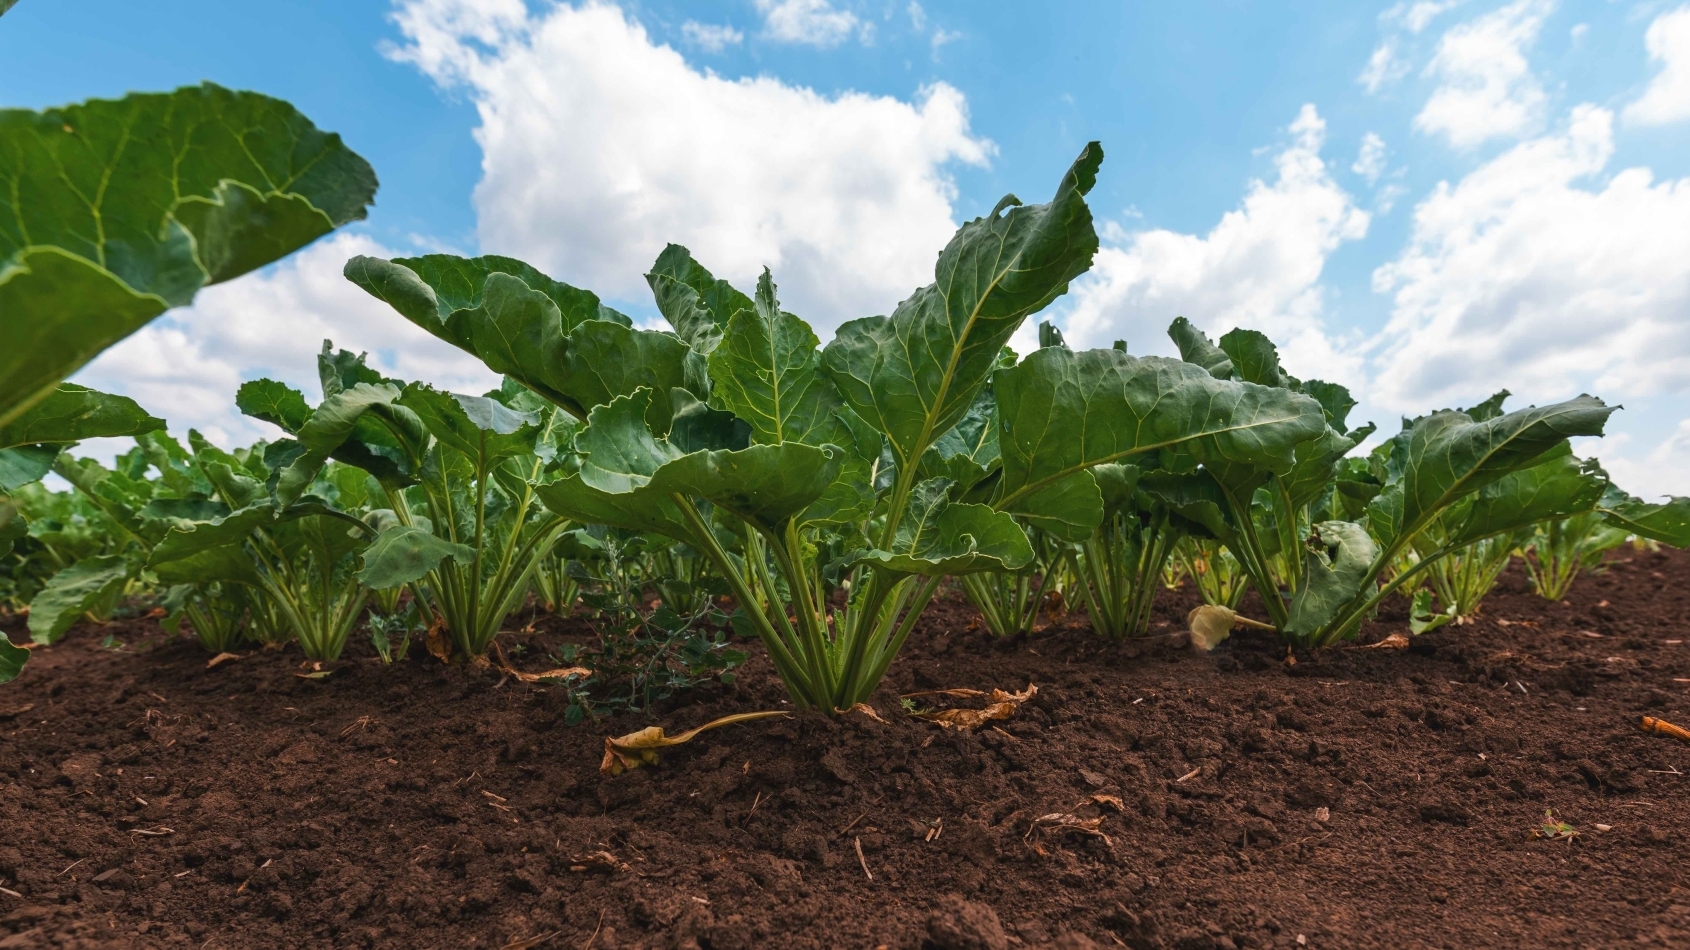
597	861
1002	705
1395	641
866	710
640	748
1058	823
561	673
220	659
12	712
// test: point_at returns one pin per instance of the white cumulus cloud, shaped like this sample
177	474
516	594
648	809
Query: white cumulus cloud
1668	97
811	22
1384	66
1486	87
1536	273
711	37
187	365
600	146
1259	267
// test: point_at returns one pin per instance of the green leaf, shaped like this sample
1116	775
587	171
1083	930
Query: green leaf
405	553
1490	408
26	465
1667	522
71	593
767	372
112	211
228	563
1254	358
1333	398
72	413
694	302
1194	347
1060	412
557	340
1421	617
766	485
1558	486
1340	553
12	658
276	403
1447	456
474	426
938	536
915	374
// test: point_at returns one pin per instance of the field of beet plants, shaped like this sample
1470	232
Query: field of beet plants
718	637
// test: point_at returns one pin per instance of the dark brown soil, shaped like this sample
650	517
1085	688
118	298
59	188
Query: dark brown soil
149	802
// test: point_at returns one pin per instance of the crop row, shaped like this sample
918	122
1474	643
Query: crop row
826	492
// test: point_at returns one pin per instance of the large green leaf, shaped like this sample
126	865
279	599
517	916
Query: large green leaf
475	426
767	372
1254	358
1194	347
72	592
113	211
694	302
938	536
557	340
1060	412
1447	456
766	485
625	465
1557	486
1667	522
915	374
401	554
1335	566
72	413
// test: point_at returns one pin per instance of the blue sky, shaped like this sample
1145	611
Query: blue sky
1540	142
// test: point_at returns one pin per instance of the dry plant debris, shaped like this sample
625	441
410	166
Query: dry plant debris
640	748
1000	705
1395	641
561	673
597	861
1212	623
1661	727
222	658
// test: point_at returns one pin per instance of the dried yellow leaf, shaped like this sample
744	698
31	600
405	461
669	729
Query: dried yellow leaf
640	748
1003	706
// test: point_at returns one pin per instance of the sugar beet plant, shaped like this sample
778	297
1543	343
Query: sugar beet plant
464	524
800	471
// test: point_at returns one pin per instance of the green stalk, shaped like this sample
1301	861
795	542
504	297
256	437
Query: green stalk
788	668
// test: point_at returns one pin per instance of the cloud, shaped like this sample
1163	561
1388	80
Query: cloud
187	365
1532	272
1259	267
1668	97
1370	161
1658	471
600	146
810	22
1383	67
1415	17
918	16
710	37
1486	87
